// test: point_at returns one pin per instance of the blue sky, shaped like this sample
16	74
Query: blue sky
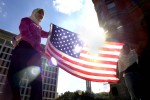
75	15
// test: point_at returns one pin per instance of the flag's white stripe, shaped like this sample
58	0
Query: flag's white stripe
86	75
107	45
82	61
108	58
110	52
99	58
113	52
113	46
80	67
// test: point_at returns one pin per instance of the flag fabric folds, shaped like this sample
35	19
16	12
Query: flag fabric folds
63	44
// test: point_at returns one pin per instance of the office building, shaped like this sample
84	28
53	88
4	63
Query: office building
49	73
88	86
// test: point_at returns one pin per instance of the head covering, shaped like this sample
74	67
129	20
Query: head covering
32	17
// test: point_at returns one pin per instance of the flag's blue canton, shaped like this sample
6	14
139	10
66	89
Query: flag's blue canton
66	41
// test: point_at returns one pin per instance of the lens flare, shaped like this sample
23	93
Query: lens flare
52	62
35	70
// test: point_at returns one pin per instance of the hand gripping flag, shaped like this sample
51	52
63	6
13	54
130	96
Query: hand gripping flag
62	46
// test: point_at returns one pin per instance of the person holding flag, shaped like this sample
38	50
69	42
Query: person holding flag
27	55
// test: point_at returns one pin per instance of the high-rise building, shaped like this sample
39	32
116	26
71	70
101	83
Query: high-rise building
88	86
49	73
124	21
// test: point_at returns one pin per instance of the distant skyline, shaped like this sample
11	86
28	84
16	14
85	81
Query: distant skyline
75	15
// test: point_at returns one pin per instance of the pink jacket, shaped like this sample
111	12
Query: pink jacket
32	33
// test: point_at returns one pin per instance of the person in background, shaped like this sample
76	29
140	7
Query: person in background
128	68
26	56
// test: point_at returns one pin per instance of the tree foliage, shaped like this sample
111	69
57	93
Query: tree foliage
81	95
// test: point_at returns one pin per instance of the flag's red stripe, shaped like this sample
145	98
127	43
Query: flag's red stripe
82	71
91	79
109	56
103	49
110	49
103	55
114	43
86	59
86	72
80	64
111	43
88	66
98	61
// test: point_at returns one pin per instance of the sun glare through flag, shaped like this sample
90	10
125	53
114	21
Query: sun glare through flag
73	56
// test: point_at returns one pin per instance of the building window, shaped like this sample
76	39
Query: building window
110	6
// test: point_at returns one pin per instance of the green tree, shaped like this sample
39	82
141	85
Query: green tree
81	95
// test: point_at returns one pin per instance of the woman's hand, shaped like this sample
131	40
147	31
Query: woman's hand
14	42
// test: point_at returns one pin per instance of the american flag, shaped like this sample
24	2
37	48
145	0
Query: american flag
62	44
